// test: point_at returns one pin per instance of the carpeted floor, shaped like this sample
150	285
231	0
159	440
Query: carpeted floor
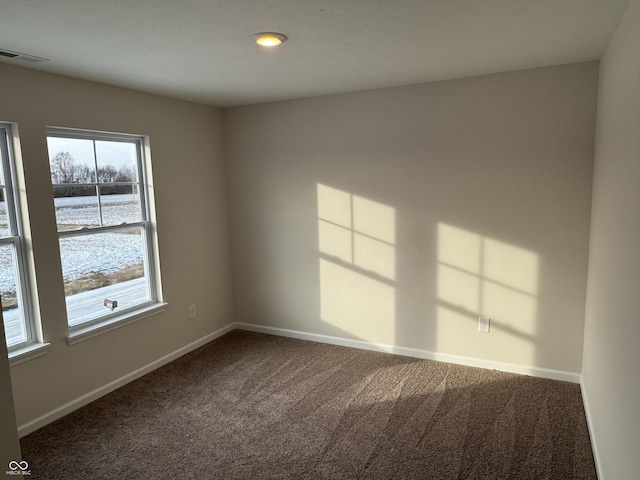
253	406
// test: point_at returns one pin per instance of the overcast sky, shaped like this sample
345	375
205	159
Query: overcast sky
109	153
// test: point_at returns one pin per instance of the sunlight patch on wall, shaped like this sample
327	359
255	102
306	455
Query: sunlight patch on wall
459	249
374	220
357	303
357	230
356	238
505	304
335	241
511	266
477	276
458	288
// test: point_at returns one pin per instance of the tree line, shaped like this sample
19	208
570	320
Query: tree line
69	177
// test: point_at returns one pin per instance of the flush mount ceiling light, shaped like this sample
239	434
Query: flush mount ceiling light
269	39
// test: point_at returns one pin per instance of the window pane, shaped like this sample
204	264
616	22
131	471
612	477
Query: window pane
71	160
99	266
117	161
12	311
120	207
4	216
76	207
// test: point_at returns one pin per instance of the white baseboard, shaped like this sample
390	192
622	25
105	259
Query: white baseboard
594	444
83	400
89	397
416	353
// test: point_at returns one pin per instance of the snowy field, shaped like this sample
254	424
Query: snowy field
104	252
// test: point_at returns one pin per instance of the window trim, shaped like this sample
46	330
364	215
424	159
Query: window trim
86	332
27	353
109	321
17	213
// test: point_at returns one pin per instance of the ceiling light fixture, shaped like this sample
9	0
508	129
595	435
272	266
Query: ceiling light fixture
269	39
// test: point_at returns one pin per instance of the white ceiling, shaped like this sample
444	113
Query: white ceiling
201	50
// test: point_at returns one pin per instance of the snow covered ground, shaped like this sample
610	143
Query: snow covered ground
82	255
105	252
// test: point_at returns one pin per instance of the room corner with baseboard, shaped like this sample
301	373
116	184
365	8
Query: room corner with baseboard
611	384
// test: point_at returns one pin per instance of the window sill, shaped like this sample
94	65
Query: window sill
27	353
80	334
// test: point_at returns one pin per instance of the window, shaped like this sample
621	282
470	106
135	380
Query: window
14	285
102	204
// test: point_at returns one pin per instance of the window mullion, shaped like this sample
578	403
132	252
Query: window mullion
95	171
142	181
102	229
13	240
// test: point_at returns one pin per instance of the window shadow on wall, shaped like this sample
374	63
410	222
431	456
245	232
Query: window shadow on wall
481	276
474	275
357	263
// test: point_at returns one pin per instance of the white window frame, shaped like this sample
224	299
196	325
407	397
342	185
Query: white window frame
120	317
18	226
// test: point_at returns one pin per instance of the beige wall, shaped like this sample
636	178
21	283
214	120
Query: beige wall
9	446
611	379
398	216
186	147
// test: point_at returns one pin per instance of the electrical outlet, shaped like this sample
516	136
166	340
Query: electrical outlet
192	312
484	324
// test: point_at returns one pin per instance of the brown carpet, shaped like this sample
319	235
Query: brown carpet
253	406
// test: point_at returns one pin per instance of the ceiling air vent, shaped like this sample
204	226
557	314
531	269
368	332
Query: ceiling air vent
22	56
